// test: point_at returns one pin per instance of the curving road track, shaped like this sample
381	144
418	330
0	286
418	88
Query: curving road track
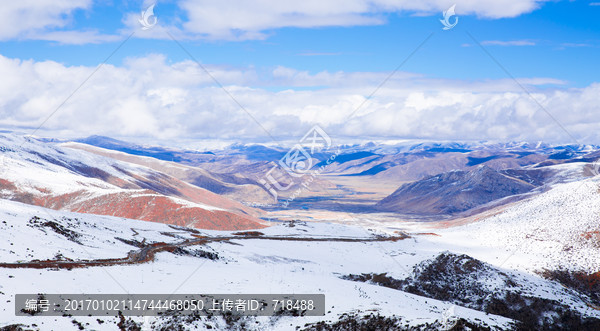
147	252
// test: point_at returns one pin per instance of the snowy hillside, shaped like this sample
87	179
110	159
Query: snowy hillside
287	258
555	229
48	175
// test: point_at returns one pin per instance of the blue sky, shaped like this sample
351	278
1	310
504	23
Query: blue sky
562	41
323	48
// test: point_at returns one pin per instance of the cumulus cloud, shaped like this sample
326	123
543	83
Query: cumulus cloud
151	97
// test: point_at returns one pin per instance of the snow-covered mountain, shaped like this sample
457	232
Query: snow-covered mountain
233	186
557	229
454	192
50	175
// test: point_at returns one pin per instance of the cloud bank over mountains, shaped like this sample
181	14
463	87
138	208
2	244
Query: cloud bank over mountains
152	97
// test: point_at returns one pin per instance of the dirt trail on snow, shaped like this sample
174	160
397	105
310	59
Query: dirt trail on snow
148	251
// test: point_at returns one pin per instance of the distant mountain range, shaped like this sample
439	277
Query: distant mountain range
430	178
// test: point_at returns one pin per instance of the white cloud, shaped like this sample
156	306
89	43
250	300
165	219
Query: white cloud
49	20
149	97
19	18
253	19
233	19
248	19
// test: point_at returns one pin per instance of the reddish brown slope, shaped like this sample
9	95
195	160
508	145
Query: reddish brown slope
170	186
147	205
162	209
143	205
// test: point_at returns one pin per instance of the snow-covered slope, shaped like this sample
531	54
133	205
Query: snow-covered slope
232	186
45	174
249	266
315	261
556	229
